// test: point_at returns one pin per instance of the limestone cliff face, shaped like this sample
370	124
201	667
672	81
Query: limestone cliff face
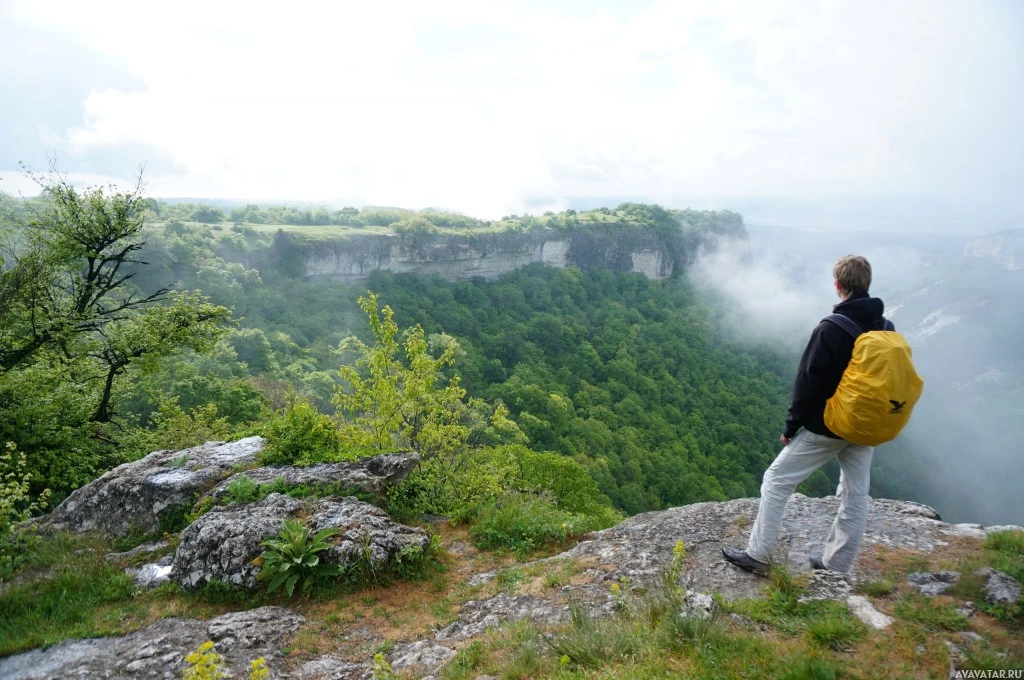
621	248
1005	247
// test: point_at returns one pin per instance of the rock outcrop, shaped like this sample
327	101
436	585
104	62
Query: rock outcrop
143	497
1000	589
223	544
639	550
635	553
933	583
159	650
616	247
371	475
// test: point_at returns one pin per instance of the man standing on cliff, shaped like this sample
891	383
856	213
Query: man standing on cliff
809	444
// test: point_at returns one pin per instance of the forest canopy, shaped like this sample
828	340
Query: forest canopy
623	375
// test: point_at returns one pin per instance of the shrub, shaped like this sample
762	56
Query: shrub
241	489
471	483
522	523
171	427
293	557
15	506
174	518
301	435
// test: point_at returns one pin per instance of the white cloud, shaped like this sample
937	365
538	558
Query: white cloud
477	107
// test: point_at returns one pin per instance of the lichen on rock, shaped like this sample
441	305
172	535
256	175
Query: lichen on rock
145	496
224	544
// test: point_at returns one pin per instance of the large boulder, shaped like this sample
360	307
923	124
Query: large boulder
372	475
159	650
151	494
223	544
1000	589
640	548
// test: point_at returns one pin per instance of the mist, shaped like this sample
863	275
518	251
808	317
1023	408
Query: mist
961	451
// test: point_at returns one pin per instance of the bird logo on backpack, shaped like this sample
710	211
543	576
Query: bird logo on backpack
879	387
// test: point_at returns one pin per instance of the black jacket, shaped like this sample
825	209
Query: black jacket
822	365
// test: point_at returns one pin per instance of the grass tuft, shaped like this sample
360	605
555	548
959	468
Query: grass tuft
1005	550
590	643
678	632
812	669
932	615
880	588
837	631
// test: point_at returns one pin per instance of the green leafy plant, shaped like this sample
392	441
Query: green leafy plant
174	518
293	556
522	523
301	435
393	406
16	505
177	462
241	489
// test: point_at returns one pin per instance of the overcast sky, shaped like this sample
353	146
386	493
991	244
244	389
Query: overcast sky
870	114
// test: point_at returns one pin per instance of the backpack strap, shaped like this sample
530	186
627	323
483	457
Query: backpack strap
852	327
846	323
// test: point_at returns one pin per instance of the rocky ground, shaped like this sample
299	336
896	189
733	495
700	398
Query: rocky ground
420	627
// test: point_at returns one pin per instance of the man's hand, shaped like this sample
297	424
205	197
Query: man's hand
784	439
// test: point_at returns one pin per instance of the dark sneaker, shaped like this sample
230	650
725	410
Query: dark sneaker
818	563
744	561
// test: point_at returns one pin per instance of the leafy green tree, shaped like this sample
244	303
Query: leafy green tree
208	214
399	404
73	326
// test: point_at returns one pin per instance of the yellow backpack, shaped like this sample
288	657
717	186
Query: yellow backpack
879	387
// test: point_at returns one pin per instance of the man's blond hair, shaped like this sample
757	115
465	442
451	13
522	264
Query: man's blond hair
853	273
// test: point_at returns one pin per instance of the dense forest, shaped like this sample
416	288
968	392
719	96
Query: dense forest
131	325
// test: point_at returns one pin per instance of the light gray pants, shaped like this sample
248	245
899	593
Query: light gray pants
806	453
